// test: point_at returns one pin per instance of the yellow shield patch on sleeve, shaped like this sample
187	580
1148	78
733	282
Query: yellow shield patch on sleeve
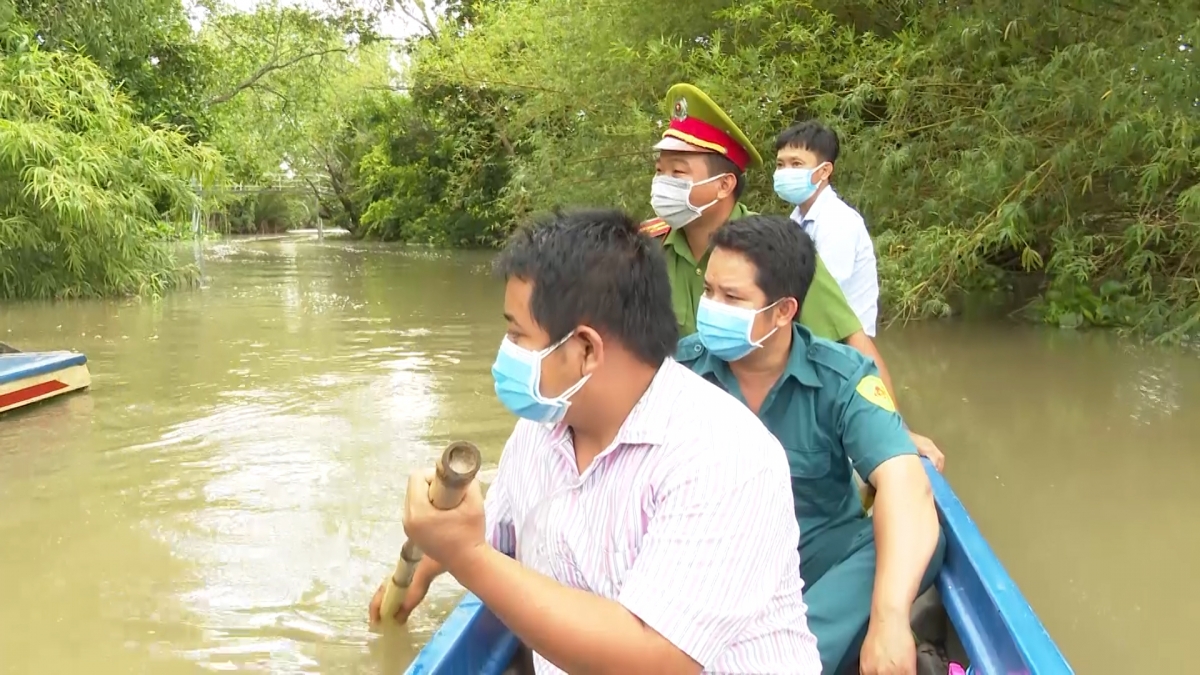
872	389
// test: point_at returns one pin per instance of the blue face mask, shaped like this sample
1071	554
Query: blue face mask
796	186
725	330
518	375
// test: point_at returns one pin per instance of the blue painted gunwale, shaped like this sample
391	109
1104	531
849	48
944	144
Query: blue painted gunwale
471	641
999	630
20	365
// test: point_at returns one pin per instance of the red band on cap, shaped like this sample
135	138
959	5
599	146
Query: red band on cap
702	134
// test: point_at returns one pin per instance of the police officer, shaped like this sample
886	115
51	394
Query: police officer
830	410
699	178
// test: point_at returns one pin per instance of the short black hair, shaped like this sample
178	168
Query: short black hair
592	267
719	164
784	256
813	136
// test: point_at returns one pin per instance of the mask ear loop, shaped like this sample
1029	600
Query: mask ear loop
573	389
824	181
550	350
758	344
700	209
564	397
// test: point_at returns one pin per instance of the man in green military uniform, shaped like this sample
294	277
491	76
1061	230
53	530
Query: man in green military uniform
702	159
828	407
699	180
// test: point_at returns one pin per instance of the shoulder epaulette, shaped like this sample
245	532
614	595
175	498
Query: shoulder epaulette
654	228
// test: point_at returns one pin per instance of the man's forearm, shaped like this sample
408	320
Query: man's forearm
906	534
577	631
863	343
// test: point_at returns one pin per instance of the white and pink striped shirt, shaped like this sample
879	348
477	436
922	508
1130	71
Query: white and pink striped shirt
686	520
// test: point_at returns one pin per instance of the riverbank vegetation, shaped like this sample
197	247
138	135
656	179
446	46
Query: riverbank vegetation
1038	155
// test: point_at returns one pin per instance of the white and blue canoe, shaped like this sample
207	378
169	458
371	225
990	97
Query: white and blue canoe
29	377
991	629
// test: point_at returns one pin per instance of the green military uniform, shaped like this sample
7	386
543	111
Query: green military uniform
833	416
701	124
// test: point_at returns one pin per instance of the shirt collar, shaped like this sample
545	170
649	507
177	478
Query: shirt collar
823	200
706	364
677	240
740	211
798	367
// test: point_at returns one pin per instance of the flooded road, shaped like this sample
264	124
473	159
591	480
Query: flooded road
227	496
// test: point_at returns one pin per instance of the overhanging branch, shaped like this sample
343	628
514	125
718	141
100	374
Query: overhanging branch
271	66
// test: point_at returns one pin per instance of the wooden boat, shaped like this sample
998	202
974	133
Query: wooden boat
28	377
991	629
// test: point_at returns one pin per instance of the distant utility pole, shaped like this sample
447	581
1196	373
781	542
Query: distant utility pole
196	209
320	223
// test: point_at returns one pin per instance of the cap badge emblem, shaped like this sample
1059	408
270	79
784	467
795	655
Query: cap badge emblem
681	111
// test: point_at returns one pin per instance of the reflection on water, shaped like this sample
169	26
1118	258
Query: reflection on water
227	496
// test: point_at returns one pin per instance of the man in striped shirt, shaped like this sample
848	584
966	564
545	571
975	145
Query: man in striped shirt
650	513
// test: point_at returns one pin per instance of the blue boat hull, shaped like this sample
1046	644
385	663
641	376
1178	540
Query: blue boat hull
996	627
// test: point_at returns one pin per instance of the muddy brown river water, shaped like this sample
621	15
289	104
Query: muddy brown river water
227	495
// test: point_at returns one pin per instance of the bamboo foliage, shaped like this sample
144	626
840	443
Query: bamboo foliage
87	193
1040	154
1044	150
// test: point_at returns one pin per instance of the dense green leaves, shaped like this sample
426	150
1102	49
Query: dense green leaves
142	45
86	189
1043	151
1042	155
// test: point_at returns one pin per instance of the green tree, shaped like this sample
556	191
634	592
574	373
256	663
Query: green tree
570	91
84	185
144	46
294	80
1043	150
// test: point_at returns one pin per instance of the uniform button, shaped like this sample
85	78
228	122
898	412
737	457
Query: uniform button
698	348
697	271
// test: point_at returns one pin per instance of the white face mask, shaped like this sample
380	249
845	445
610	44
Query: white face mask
670	198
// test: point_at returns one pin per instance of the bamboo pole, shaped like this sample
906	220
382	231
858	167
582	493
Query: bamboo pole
455	471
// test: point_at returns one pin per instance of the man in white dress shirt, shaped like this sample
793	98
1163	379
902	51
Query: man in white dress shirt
650	514
804	158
